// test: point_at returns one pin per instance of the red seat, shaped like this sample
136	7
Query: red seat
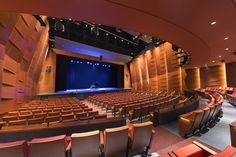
14	149
48	147
85	144
190	150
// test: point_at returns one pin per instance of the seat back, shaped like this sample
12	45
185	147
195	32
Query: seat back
85	144
53	119
17	122
206	111
116	142
197	119
9	118
36	121
67	117
48	147
14	149
140	135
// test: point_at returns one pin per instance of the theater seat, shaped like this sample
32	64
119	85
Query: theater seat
140	137
116	142
48	147
80	115
14	149
85	144
17	122
36	121
189	122
190	150
50	119
67	117
9	118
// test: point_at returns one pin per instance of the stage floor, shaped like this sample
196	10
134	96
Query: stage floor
82	91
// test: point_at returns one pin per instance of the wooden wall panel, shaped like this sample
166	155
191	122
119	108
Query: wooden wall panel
192	79
214	76
156	69
47	80
127	77
22	51
152	70
231	74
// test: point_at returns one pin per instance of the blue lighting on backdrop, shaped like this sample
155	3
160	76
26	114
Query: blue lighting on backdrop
83	74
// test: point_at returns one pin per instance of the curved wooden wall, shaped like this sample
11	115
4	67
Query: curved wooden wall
23	46
157	69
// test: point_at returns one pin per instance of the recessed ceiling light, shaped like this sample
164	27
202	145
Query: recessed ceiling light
214	22
122	40
115	37
220	56
226	38
227	49
213	61
106	33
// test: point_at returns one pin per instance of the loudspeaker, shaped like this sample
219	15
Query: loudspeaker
48	69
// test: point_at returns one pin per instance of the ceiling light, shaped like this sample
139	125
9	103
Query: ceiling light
219	56
106	34
214	22
122	40
226	38
227	49
213	61
114	37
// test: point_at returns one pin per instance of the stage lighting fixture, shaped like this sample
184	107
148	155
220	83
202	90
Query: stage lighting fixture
95	30
118	30
137	37
58	26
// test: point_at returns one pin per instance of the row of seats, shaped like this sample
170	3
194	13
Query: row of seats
113	101
135	105
38	113
197	149
143	110
195	121
56	119
123	141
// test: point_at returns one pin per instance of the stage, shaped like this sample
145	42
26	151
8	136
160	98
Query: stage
80	93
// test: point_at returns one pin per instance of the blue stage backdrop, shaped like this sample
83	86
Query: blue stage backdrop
76	73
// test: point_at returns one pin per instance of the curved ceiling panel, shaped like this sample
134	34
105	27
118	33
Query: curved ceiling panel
184	23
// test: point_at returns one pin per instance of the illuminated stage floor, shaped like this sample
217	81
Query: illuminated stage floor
85	91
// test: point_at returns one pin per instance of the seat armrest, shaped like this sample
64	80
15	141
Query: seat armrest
101	138
205	148
68	148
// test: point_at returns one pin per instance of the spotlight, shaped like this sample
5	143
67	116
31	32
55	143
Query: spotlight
137	37
58	26
95	30
118	30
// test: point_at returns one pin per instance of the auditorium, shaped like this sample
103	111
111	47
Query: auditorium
116	78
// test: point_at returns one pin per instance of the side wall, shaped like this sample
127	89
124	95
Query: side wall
47	78
23	46
157	69
213	76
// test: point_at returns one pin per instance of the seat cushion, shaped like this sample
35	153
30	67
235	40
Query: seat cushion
190	150
228	151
